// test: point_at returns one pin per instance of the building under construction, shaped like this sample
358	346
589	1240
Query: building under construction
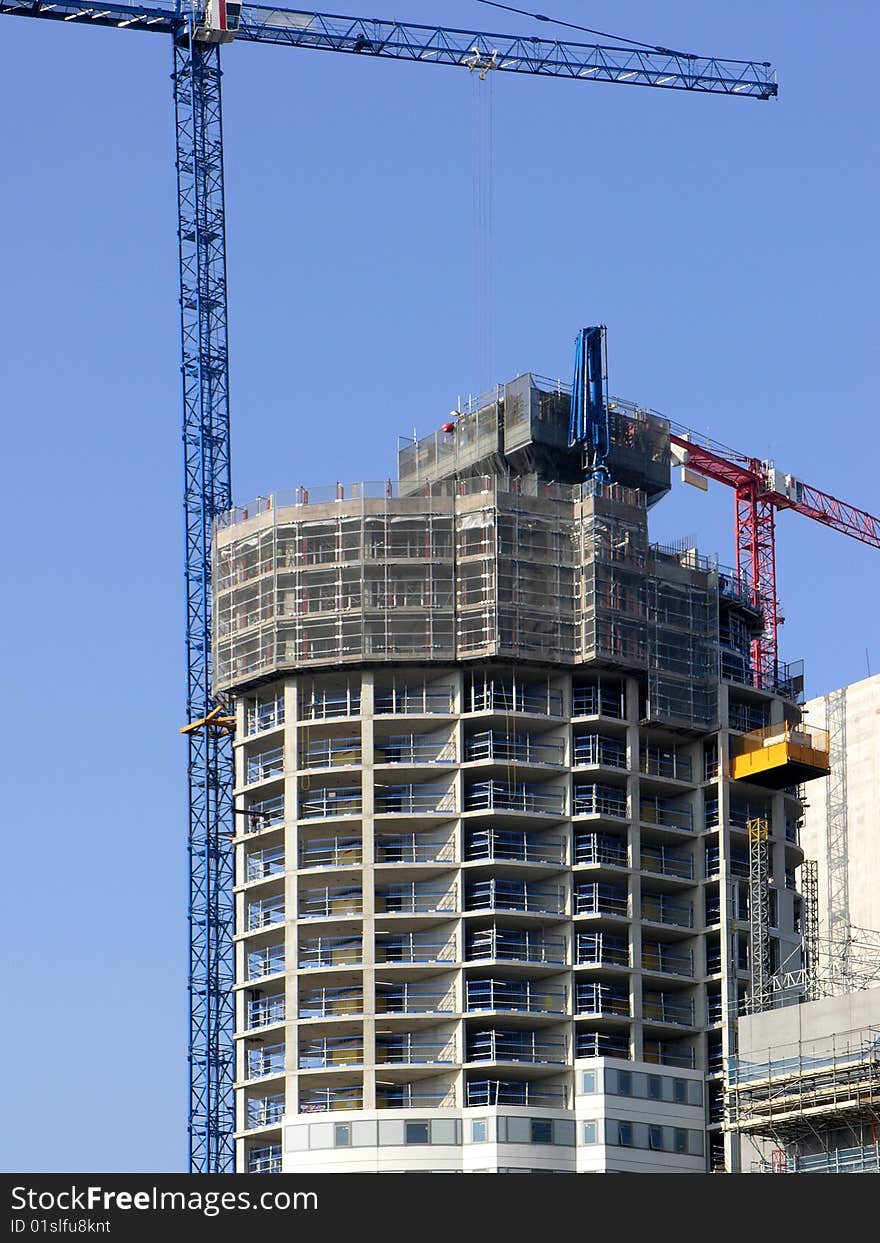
508	786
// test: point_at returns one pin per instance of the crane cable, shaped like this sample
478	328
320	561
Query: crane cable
603	34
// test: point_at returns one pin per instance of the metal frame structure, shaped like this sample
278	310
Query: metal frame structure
810	924
196	36
760	971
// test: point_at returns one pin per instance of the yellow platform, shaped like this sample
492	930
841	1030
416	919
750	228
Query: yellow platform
781	755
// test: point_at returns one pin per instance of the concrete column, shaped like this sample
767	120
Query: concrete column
368	876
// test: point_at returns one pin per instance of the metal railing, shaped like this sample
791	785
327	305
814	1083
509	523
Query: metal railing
599	849
415	701
656	810
595	899
413	800
266	961
264	1110
415	749
663	1053
326	1051
510	845
323	1100
667	861
515	945
601	949
322	704
330	752
265	1160
264	1011
601	1044
514	796
264	863
602	999
415	899
518	1092
661	958
514	748
266	1059
513	697
661	762
599	800
407	947
333	801
322	1003
524	996
661	1008
409	1050
264	912
509	895
265	764
408	998
323	903
594	751
331	952
328	852
261	715
515	1046
264	814
596	700
413	848
659	909
403	1096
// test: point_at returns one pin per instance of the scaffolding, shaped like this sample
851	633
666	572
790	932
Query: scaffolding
760	971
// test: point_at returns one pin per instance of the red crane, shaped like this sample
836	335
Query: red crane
759	490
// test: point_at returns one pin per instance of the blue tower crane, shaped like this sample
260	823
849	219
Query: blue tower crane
197	35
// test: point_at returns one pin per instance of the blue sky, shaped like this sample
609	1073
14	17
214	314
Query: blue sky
730	245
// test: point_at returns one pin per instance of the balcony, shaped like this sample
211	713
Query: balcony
740	812
415	749
264	813
265	1059
263	714
416	899
668	1008
519	996
600	800
262	864
601	949
331	952
516	1046
264	1011
265	912
515	796
517	1092
780	755
414	800
411	1096
515	945
600	850
324	1100
511	895
263	962
408	998
667	861
514	749
599	699
663	959
414	701
330	852
657	908
508	845
601	1044
333	801
322	704
264	1111
265	1160
594	751
665	813
405	1049
331	1052
595	899
265	764
329	1003
739	863
331	752
667	763
602	1001
329	902
411	848
506	697
669	1053
407	948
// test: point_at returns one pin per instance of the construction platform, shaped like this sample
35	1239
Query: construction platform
782	755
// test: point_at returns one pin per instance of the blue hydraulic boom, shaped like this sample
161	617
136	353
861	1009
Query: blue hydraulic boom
588	424
196	36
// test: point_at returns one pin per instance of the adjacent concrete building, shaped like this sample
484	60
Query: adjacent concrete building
492	867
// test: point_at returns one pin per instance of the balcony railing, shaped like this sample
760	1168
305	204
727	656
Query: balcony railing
657	810
739	863
323	1003
413	848
659	909
599	1000
266	961
667	861
264	1110
601	1044
669	1053
266	714
518	1092
509	895
594	751
407	947
264	1011
331	1051
408	1050
324	903
265	1160
514	748
513	697
514	796
408	1096
266	1059
415	749
413	800
323	704
598	700
601	949
510	845
328	852
599	800
599	849
662	762
264	863
331	952
600	900
515	1046
414	999
323	1100
415	701
265	912
331	752
662	1008
659	957
524	996
335	801
265	764
415	899
264	814
515	945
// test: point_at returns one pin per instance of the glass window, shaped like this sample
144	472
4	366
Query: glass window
656	1138
416	1133
625	1134
589	1082
519	1131
655	1087
444	1131
341	1134
563	1132
679	1091
479	1131
624	1083
680	1138
589	1133
542	1131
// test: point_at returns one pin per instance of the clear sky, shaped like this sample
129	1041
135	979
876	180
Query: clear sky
730	245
